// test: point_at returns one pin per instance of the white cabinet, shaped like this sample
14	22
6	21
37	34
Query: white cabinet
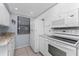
67	19
72	18
46	42
11	47
8	49
4	15
34	38
47	27
36	29
59	22
42	45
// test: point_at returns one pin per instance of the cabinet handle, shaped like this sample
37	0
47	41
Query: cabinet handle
71	15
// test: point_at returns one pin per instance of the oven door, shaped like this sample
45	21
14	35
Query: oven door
59	49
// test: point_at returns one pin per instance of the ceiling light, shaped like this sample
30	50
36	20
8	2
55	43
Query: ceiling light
31	12
16	8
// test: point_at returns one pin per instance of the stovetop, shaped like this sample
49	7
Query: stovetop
64	39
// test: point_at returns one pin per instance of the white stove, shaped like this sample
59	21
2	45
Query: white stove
63	44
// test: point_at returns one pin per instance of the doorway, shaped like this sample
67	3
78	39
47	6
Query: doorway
23	32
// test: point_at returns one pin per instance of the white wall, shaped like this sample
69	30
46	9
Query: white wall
13	27
21	40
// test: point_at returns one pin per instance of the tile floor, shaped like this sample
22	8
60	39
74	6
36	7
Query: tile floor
26	51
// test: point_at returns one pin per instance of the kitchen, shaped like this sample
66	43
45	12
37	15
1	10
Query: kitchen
26	29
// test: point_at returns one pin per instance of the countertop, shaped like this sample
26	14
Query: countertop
5	38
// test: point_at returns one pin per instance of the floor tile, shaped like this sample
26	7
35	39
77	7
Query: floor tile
21	52
26	51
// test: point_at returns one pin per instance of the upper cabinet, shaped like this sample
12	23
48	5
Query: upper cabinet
72	18
59	22
67	19
4	15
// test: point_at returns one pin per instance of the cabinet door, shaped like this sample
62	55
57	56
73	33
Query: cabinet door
46	53
3	51
42	46
59	22
71	18
4	15
11	47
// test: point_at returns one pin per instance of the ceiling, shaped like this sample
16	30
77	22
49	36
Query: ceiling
29	9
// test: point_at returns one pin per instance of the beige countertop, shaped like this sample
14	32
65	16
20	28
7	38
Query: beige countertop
5	38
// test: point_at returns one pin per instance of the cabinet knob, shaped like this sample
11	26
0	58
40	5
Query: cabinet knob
71	15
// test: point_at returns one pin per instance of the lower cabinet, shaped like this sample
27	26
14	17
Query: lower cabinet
8	50
11	47
44	46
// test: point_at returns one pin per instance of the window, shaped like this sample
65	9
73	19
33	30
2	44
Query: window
23	25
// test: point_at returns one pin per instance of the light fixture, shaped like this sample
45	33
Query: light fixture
31	12
16	8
